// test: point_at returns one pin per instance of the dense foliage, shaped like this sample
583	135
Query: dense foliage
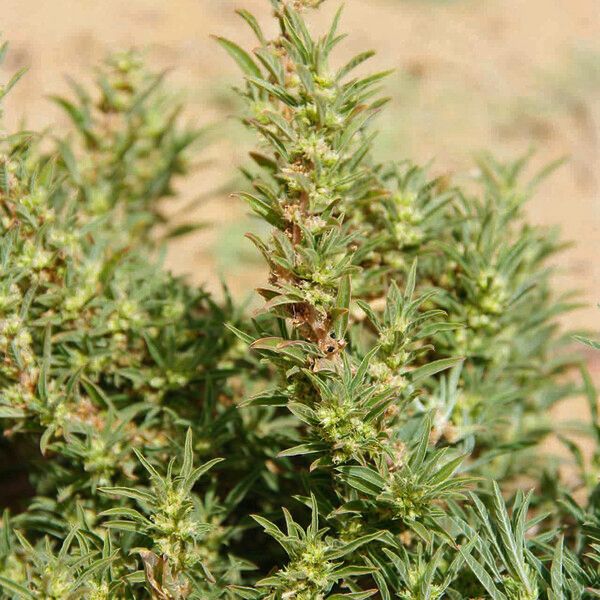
366	434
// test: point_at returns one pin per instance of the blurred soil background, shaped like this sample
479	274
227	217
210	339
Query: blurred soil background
470	75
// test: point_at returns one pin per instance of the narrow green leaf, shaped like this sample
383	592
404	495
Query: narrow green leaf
421	373
363	479
16	589
241	57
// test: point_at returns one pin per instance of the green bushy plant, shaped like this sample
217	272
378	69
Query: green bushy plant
367	433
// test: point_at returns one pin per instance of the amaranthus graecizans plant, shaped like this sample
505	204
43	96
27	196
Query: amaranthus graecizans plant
365	435
104	354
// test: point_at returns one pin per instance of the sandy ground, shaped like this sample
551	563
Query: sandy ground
470	74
